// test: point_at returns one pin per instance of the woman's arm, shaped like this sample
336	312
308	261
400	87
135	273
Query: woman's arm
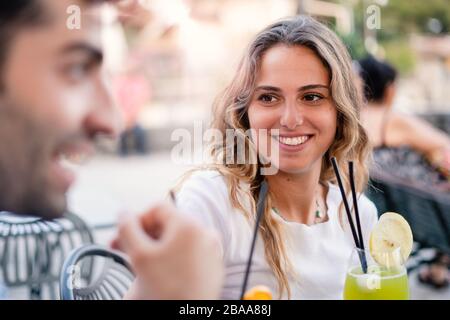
419	134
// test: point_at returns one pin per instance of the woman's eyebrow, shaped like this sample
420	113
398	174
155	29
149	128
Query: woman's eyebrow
303	88
313	86
268	88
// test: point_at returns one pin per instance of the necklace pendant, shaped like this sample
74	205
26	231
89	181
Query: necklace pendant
318	215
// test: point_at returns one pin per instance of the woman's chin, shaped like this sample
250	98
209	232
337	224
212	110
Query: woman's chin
293	167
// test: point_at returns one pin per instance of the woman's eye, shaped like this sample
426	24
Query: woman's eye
267	98
312	97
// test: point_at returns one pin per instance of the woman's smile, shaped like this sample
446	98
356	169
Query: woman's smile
293	142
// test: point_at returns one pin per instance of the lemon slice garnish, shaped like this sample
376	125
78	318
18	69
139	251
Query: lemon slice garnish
391	240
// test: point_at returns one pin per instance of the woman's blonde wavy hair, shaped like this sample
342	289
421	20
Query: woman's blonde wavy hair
230	112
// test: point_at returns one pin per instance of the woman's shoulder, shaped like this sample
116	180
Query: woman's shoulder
204	188
365	205
210	191
205	179
203	195
368	206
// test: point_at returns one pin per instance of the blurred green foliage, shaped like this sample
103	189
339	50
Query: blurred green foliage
399	19
400	54
355	45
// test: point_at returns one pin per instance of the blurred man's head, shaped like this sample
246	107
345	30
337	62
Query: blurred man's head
53	100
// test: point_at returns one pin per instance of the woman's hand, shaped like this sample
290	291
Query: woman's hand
440	159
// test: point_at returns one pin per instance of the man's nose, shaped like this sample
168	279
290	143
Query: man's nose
291	116
104	119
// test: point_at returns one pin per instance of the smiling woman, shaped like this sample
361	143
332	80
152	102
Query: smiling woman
295	82
292	94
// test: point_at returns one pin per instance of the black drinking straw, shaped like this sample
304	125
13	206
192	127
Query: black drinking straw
347	208
358	223
259	212
173	198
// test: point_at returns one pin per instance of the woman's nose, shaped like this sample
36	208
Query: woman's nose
291	116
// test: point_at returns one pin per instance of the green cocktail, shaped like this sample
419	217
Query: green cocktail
380	273
379	285
380	282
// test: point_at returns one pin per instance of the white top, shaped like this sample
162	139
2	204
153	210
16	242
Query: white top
319	253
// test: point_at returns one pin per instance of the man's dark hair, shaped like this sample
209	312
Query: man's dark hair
15	15
18	14
377	75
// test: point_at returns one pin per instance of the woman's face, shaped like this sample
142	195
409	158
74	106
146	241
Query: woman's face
293	95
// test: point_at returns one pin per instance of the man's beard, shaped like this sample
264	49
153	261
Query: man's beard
24	160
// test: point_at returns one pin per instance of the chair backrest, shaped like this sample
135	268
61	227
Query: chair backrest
32	251
438	119
425	209
110	281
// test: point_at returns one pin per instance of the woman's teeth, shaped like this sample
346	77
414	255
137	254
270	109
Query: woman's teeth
293	141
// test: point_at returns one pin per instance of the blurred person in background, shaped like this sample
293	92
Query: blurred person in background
390	130
405	145
130	79
132	90
54	102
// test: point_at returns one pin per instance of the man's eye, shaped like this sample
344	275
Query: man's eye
78	71
267	98
312	97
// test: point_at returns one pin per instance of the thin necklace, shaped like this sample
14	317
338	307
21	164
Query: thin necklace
318	214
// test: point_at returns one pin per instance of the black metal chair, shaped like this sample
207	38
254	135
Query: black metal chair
426	210
110	280
32	251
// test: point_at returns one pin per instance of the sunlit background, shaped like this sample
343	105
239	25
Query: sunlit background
178	54
170	58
